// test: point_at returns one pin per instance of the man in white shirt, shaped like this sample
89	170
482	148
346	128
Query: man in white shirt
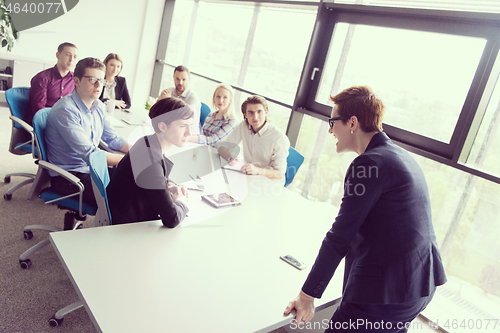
265	147
182	77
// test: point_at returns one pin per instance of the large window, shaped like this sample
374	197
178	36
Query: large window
251	46
492	6
210	38
422	77
430	68
484	153
278	52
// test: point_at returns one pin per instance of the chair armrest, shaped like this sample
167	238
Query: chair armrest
61	172
28	128
68	176
104	146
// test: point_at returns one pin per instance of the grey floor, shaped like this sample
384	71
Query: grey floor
28	298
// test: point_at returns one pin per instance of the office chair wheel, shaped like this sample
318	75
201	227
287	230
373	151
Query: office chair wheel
54	322
25	264
28	234
6	179
7	196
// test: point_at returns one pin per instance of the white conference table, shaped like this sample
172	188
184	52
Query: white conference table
218	271
136	126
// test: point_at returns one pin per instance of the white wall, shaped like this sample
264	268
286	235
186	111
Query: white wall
96	27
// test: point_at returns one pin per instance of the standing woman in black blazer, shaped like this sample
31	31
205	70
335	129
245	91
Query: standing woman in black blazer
116	86
383	229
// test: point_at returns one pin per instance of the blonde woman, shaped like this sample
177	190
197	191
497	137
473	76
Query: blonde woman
220	123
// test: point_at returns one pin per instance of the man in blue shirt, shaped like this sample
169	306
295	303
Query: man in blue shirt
75	126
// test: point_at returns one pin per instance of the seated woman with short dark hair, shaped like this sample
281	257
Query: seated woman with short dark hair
139	189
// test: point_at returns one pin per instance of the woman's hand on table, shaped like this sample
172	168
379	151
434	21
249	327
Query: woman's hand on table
304	304
120	104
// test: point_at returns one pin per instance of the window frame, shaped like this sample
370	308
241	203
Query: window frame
470	117
482	25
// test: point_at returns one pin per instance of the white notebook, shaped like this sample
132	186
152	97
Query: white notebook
221	200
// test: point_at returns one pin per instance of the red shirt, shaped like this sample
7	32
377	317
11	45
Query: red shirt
47	87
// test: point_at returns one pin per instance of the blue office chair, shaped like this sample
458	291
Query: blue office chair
100	180
293	163
204	112
77	209
21	139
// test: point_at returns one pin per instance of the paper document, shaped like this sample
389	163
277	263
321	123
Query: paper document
133	121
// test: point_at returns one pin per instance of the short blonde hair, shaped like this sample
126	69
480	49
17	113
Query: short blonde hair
229	112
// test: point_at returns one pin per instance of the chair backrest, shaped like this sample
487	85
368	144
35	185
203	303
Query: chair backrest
293	163
100	179
39	124
204	112
18	99
21	136
48	195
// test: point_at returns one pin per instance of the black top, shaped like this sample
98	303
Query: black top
121	91
138	189
383	229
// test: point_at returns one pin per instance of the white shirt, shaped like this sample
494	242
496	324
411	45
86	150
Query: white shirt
191	98
109	90
266	148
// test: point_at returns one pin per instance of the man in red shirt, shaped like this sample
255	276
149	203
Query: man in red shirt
48	86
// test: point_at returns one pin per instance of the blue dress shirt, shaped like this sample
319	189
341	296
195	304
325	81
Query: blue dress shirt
73	132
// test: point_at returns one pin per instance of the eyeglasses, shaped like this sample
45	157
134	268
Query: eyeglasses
332	121
94	80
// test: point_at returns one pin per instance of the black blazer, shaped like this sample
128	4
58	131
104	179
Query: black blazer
383	229
138	188
121	91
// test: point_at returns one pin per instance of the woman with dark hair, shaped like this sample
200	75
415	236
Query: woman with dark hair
115	89
139	189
